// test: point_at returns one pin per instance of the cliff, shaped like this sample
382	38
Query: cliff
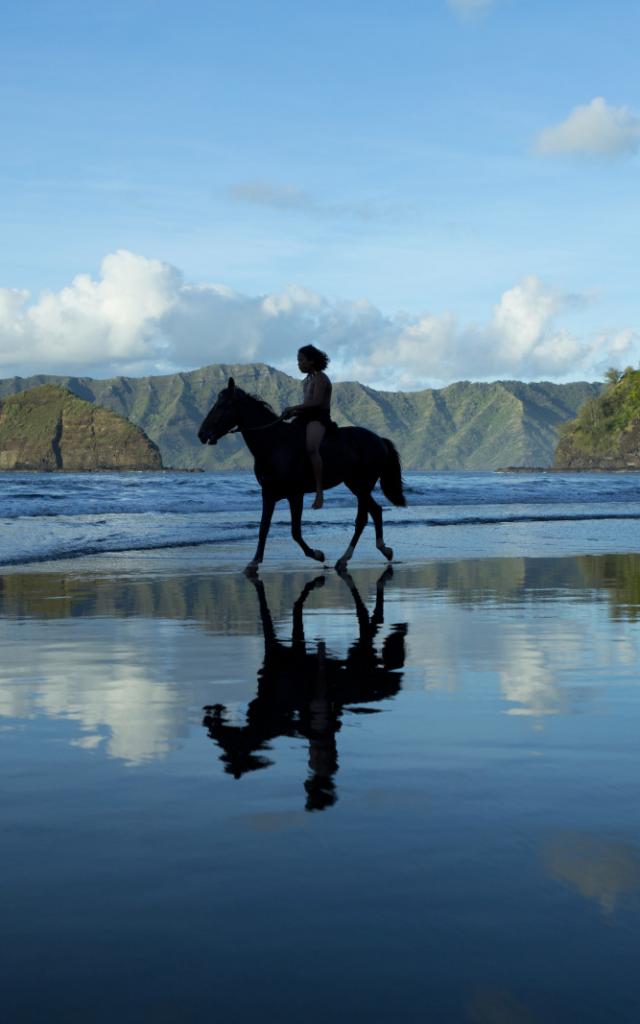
606	432
466	425
49	428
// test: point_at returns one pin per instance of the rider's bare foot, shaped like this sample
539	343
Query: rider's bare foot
319	502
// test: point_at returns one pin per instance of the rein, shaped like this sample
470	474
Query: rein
264	426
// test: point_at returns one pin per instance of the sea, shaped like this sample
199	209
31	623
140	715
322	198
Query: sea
52	516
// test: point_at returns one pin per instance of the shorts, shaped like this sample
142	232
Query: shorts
316	416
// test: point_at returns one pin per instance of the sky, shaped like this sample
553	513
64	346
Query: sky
429	190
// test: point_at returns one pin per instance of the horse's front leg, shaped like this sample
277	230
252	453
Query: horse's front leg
361	522
361	608
268	505
295	504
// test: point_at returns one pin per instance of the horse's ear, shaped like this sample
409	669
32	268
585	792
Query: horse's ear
232	384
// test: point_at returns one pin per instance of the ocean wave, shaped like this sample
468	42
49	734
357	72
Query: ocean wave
43	518
497	520
248	531
62	554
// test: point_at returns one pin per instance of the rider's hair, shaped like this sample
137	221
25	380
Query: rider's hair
320	360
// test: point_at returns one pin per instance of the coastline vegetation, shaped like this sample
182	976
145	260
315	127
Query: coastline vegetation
606	432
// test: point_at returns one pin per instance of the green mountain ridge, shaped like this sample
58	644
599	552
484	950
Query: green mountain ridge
467	425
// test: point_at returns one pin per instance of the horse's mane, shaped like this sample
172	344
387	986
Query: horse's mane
256	400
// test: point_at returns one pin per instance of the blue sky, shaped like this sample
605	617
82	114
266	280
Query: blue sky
192	183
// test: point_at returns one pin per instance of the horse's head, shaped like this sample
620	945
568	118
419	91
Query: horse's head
223	417
241	744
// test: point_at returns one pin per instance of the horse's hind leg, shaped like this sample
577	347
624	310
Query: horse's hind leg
295	504
361	522
376	515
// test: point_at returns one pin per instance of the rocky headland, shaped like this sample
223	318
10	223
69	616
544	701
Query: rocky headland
605	435
49	428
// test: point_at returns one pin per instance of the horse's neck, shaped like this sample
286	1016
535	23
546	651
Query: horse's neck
254	418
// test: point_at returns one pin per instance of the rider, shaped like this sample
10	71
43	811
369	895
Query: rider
314	410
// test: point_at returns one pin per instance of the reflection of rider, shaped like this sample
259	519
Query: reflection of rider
315	409
320	728
303	693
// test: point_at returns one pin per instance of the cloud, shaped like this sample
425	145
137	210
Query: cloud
592	130
90	322
469	8
264	193
139	316
521	339
281	197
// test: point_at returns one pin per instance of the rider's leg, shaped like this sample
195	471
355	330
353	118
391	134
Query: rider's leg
315	433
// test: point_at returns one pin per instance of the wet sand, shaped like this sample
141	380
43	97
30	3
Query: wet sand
404	796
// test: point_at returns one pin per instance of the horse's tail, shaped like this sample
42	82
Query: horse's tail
391	475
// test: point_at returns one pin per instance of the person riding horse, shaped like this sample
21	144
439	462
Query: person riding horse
314	412
354	456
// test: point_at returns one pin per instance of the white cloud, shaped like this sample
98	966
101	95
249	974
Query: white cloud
521	339
592	130
140	316
90	322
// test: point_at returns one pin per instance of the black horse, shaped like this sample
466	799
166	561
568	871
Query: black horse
303	691
350	455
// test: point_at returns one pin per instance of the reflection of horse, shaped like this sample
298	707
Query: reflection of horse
350	455
303	693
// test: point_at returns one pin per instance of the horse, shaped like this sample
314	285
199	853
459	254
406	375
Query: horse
354	456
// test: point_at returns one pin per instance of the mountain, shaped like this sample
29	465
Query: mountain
48	428
606	432
463	426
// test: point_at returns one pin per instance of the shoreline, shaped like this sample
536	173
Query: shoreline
559	469
414	546
100	472
249	472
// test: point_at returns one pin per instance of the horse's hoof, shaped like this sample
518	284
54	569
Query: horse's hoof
252	569
318	555
341	565
388	553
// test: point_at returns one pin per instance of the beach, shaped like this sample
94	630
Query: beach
404	794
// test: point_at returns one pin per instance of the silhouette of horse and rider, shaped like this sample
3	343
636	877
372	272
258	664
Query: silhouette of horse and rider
308	455
303	691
